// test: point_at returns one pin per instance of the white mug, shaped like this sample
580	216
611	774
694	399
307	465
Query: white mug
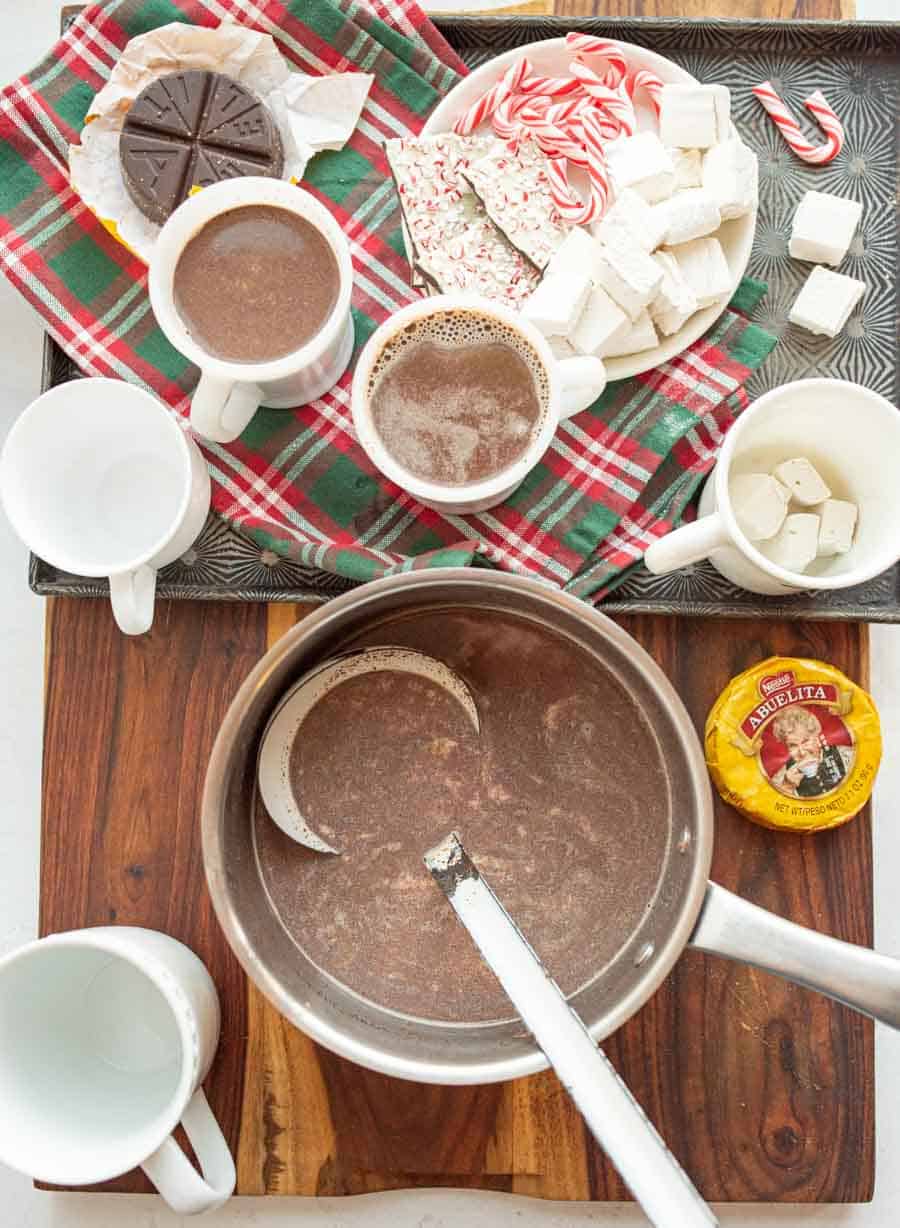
852	437
105	1037
574	384
98	478
229	393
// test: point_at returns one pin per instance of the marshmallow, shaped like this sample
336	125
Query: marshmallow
675	301
824	304
554	307
731	177
600	322
838	521
643	163
641	335
576	253
694	116
630	211
688	167
794	547
803	481
760	504
628	274
687	215
823	228
705	269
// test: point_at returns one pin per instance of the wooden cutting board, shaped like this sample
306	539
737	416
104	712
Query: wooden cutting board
763	1090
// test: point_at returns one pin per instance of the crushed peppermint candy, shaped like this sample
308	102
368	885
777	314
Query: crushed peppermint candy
454	244
512	184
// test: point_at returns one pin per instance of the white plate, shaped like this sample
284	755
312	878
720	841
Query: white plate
550	58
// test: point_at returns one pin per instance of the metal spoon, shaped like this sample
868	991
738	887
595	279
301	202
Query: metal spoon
273	766
612	1114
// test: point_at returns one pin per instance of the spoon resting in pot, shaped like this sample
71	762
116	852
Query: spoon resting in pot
612	1114
279	736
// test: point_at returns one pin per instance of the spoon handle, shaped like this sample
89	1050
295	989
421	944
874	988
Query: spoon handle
614	1117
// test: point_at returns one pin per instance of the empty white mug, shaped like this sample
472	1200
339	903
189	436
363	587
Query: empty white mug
852	437
573	383
229	393
98	478
105	1037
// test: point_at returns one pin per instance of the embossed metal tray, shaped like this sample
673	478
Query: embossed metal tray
857	64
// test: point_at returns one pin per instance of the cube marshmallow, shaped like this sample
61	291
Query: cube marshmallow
643	163
823	227
824	304
802	480
837	524
628	274
640	336
731	176
694	116
704	268
629	211
555	305
675	301
796	544
687	215
600	322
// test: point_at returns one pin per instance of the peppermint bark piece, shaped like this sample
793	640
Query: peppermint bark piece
455	247
512	185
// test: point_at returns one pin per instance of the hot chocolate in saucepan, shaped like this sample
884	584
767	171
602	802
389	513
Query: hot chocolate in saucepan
562	799
457	396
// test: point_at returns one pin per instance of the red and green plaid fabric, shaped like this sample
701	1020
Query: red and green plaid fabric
297	481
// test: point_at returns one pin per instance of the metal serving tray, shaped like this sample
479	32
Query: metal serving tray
857	65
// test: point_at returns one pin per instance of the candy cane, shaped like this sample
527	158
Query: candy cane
598	172
643	79
619	106
487	104
554	87
587	44
790	130
567	203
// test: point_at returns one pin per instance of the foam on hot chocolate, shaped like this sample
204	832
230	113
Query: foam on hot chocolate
458	396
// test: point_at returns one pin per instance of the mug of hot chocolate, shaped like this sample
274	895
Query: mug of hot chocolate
251	280
456	398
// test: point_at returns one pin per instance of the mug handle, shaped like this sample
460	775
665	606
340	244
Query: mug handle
222	408
176	1179
582	379
689	544
133	595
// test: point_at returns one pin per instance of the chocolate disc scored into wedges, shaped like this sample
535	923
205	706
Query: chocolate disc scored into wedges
191	129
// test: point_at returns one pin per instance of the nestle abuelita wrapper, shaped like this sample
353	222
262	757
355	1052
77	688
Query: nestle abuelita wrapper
794	744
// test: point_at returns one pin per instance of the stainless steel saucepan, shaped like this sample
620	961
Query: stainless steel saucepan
685	910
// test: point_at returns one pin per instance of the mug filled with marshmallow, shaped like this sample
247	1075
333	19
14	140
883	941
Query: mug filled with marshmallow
804	494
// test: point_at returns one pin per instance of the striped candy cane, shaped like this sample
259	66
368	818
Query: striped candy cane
487	104
643	79
619	106
570	207
818	155
587	44
550	87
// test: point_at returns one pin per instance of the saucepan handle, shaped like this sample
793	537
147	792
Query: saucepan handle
856	976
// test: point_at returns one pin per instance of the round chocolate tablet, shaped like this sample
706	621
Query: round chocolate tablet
191	129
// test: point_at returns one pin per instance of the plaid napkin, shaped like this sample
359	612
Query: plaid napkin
616	477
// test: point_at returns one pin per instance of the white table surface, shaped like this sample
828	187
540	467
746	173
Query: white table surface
25	37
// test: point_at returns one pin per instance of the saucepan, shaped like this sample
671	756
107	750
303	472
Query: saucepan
685	908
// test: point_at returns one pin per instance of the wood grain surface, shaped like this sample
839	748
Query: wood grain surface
763	1090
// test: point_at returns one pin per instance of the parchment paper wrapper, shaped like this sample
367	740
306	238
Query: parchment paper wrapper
312	113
